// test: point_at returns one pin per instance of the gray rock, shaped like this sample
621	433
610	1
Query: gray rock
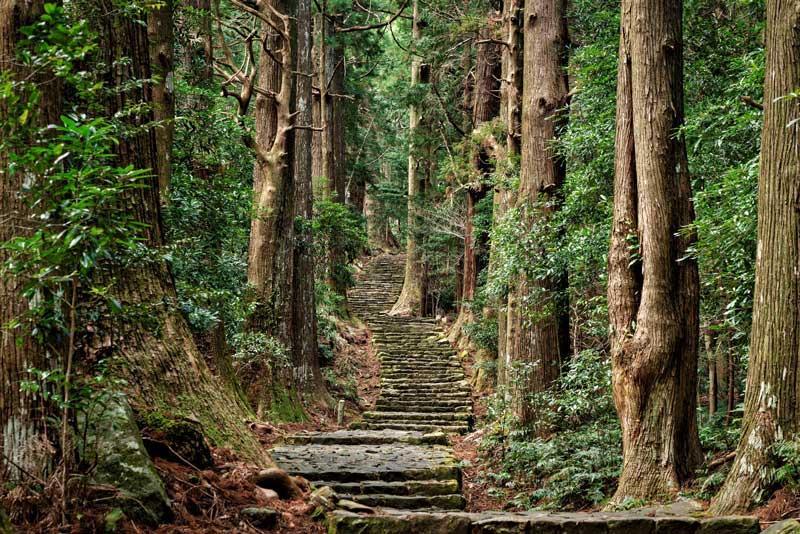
265	518
729	525
790	526
114	446
355	507
324	497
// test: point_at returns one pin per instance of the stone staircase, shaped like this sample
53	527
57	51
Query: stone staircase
423	386
397	457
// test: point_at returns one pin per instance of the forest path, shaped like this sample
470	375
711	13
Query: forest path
398	457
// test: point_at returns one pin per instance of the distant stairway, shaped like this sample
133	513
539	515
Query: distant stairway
397	457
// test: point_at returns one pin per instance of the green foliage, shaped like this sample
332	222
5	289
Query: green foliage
258	350
337	227
575	457
787	454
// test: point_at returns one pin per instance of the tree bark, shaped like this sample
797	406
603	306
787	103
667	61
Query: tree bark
485	106
161	35
540	323
654	318
510	90
163	368
24	441
412	296
305	352
771	411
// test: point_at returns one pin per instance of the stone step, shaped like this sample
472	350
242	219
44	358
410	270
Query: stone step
400	425
402	522
366	437
405	487
429	408
355	463
406	394
411	502
414	416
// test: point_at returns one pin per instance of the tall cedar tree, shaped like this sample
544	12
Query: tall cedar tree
305	353
653	296
771	411
485	106
161	33
538	330
270	261
163	368
510	91
412	297
23	441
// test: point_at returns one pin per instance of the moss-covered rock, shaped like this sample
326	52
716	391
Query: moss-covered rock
113	447
176	439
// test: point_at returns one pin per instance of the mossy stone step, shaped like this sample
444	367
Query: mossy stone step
399	425
402	522
411	502
404	487
413	416
428	408
367	437
354	463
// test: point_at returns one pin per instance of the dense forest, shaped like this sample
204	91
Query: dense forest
552	244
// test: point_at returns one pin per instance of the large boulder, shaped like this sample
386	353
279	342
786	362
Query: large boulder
114	450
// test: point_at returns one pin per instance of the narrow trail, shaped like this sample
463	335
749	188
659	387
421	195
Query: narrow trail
398	461
398	456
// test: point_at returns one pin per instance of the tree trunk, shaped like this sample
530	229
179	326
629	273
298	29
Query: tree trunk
164	370
412	296
23	441
771	411
654	319
485	106
510	89
711	359
305	352
541	339
160	33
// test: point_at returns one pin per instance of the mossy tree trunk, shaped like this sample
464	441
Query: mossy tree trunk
485	106
24	441
653	295
159	359
539	328
510	91
161	34
771	412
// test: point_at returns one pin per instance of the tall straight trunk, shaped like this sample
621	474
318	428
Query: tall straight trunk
164	370
653	303
771	411
305	353
485	106
711	361
338	103
510	90
412	296
24	441
541	331
161	35
270	263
